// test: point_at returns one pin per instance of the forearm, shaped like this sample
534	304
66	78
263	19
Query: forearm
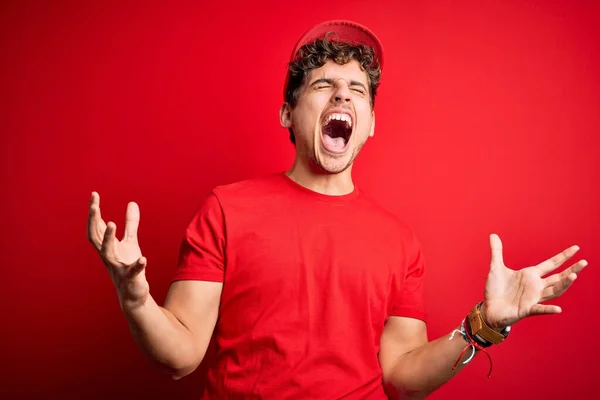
424	369
163	338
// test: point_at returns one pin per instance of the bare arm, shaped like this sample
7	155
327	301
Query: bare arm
415	368
175	337
412	367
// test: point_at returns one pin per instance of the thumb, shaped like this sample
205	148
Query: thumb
543	309
496	251
132	221
137	267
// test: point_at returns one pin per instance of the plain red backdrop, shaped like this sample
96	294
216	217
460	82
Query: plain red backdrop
488	120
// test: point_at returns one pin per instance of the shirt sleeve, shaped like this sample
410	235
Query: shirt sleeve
408	300
202	253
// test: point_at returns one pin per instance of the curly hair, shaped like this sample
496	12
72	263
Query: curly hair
315	54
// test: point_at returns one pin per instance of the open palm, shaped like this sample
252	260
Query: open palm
511	295
122	258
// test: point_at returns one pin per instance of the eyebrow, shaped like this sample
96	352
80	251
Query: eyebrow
330	81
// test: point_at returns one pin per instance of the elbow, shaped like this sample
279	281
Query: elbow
394	392
178	373
180	369
399	389
414	395
411	394
176	376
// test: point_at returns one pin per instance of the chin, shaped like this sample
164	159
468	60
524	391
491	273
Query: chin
334	169
334	163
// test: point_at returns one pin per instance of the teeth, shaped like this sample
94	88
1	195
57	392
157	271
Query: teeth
340	117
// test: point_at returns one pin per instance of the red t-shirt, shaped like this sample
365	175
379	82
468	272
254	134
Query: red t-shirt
309	281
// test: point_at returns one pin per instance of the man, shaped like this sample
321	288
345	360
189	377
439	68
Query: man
310	289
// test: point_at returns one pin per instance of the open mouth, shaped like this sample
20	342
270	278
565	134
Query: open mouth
337	130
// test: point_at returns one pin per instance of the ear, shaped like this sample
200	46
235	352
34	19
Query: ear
285	115
372	132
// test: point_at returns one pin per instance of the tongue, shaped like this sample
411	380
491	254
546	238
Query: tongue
333	144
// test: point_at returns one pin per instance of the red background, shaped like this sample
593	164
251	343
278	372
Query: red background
488	120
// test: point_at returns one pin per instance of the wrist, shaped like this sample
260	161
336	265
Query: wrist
133	294
481	332
132	305
496	327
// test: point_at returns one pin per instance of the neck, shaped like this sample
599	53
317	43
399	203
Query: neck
317	180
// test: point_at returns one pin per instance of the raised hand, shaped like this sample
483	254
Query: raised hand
123	259
513	295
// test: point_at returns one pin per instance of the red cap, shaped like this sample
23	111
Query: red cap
347	31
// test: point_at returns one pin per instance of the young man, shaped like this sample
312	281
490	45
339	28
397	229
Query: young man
310	288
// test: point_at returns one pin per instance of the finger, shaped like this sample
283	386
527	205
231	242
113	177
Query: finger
552	263
132	221
579	266
138	267
496	251
95	199
559	288
108	243
544	309
575	268
96	226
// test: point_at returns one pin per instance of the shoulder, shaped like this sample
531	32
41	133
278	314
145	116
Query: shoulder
385	217
251	195
249	188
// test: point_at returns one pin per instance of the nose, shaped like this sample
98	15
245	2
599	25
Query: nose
341	93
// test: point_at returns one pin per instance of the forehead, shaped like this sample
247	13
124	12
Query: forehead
331	70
